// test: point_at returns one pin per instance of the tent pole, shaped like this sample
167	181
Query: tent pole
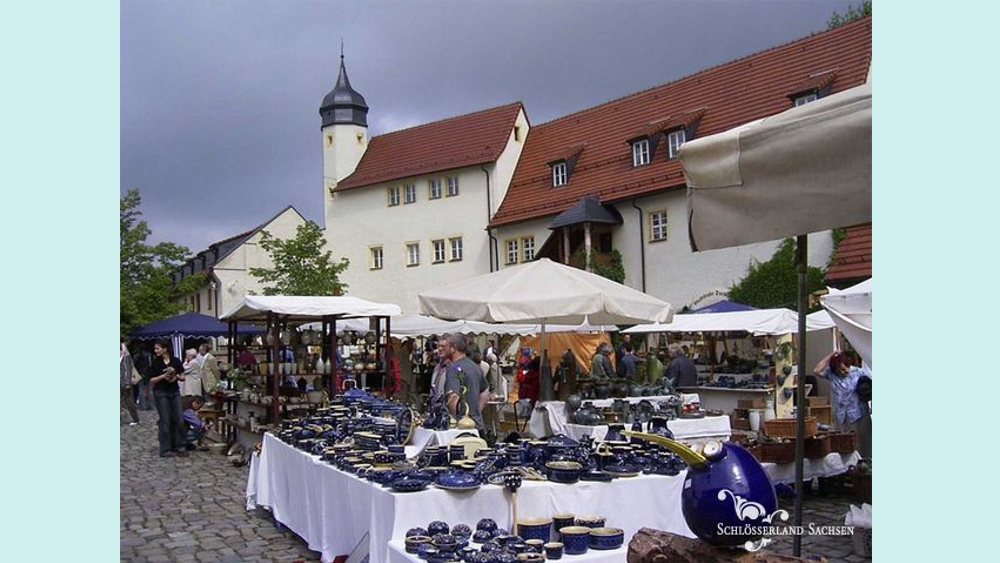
546	372
272	321
332	359
801	259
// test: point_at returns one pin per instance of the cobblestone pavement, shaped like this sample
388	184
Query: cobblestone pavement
193	510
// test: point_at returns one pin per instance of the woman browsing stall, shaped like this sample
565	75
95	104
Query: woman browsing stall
165	373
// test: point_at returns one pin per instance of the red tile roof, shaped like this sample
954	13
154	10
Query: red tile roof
456	142
854	255
732	94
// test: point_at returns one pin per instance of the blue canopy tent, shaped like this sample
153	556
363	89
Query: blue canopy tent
188	325
724	306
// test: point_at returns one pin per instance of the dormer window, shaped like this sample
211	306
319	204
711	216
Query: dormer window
805	99
640	152
559	174
674	141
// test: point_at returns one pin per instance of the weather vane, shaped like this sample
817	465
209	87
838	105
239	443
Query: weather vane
341	48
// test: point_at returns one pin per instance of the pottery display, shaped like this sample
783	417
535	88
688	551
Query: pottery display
606	538
575	539
553	551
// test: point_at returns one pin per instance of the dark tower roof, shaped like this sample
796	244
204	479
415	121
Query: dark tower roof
343	104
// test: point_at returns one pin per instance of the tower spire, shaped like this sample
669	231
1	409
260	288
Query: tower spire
343	104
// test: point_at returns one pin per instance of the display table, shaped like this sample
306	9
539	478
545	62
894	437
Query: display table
398	554
423	437
332	510
725	399
832	464
692	430
550	418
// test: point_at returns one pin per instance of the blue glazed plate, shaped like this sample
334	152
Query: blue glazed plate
457	488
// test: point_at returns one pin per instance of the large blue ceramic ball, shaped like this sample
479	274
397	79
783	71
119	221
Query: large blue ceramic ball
733	491
487	524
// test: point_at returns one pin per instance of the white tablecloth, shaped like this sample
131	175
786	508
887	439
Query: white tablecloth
397	554
329	509
423	437
832	464
550	417
332	510
686	429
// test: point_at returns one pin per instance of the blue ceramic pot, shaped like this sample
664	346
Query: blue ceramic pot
553	551
564	471
487	524
413	543
560	521
535	528
575	539
461	530
481	536
607	538
437	527
416	532
591	521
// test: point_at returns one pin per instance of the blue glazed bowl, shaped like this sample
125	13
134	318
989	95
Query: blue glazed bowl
426	550
413	543
535	528
607	538
560	521
564	471
553	550
730	491
575	539
461	530
591	521
481	536
416	532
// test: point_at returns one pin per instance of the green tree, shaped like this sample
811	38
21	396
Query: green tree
300	265
147	292
775	283
850	14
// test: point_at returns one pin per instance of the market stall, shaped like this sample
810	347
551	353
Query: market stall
280	314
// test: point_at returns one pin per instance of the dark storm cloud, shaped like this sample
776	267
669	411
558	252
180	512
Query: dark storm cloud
219	100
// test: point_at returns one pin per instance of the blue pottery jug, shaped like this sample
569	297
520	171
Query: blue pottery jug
726	491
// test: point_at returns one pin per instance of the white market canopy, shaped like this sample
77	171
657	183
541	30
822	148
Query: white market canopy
306	308
422	325
804	170
543	291
851	310
758	322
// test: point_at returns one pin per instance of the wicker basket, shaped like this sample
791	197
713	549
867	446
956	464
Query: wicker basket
817	447
785	427
843	442
776	452
739	423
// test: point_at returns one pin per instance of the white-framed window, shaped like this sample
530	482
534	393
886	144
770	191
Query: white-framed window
456	248
375	257
528	248
640	153
512	251
409	193
674	141
658	225
434	188
438	250
559	174
393	196
413	254
803	100
452	185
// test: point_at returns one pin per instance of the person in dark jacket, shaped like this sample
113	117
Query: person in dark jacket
164	373
681	369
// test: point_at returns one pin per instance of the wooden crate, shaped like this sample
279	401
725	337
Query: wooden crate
740	423
822	413
843	442
785	427
817	447
754	403
776	452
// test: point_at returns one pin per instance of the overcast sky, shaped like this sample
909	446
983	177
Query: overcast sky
220	100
